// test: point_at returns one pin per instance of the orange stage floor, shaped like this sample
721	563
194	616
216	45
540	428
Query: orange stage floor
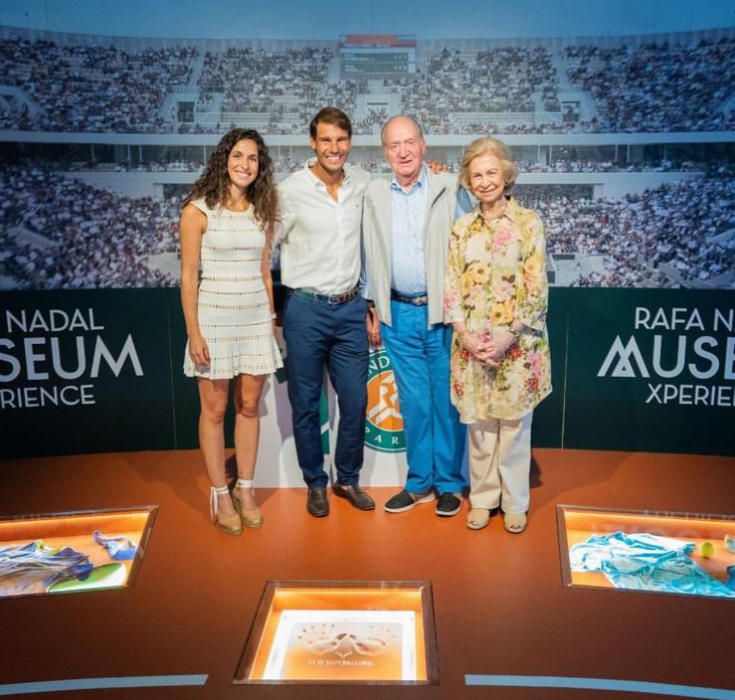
500	606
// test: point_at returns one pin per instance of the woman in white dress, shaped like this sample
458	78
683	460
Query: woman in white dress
226	227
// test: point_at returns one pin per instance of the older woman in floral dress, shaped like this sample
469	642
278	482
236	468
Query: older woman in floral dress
496	300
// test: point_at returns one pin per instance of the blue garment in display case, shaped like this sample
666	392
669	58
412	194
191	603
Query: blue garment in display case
646	562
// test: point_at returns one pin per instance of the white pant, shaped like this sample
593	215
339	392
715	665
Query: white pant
500	463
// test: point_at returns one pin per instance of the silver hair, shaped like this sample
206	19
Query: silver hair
401	116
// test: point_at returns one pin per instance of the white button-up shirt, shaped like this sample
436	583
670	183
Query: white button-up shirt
320	249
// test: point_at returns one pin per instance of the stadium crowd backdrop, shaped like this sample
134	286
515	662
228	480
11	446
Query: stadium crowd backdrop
626	144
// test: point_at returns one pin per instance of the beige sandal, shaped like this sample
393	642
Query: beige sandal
515	522
251	517
229	524
478	518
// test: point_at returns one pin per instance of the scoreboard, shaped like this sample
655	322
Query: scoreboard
365	55
369	62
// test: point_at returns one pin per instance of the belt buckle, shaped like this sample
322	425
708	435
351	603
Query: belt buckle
334	299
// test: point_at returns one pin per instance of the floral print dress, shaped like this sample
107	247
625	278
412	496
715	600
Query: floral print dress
496	272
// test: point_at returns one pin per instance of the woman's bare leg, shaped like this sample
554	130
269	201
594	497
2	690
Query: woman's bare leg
248	390
213	400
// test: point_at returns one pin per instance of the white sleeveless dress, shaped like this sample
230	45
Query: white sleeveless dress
233	310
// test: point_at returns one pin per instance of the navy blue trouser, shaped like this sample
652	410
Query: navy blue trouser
319	333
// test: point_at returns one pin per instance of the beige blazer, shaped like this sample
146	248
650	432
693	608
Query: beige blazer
377	236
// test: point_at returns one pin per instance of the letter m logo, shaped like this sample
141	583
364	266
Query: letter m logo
623	356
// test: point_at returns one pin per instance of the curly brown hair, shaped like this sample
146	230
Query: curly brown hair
214	183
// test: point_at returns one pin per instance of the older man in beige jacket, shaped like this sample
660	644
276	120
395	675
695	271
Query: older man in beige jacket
406	225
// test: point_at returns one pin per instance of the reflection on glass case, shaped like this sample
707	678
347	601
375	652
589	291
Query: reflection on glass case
680	553
72	552
342	632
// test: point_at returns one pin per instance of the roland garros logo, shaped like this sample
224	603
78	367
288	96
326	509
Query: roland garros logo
384	425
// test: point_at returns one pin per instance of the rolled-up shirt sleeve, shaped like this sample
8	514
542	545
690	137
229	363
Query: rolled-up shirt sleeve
286	218
364	283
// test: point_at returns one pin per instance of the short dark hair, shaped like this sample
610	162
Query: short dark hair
330	115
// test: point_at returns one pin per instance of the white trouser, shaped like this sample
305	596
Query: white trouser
500	463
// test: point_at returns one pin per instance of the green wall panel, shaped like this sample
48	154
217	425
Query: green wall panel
642	368
632	369
84	371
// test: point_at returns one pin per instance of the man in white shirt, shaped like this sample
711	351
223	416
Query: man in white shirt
324	315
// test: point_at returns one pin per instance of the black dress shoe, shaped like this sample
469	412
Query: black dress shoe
316	501
355	495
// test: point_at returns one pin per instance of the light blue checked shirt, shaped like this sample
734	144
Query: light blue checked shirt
409	214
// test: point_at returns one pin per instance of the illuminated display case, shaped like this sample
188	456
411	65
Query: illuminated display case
342	632
662	552
74	552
